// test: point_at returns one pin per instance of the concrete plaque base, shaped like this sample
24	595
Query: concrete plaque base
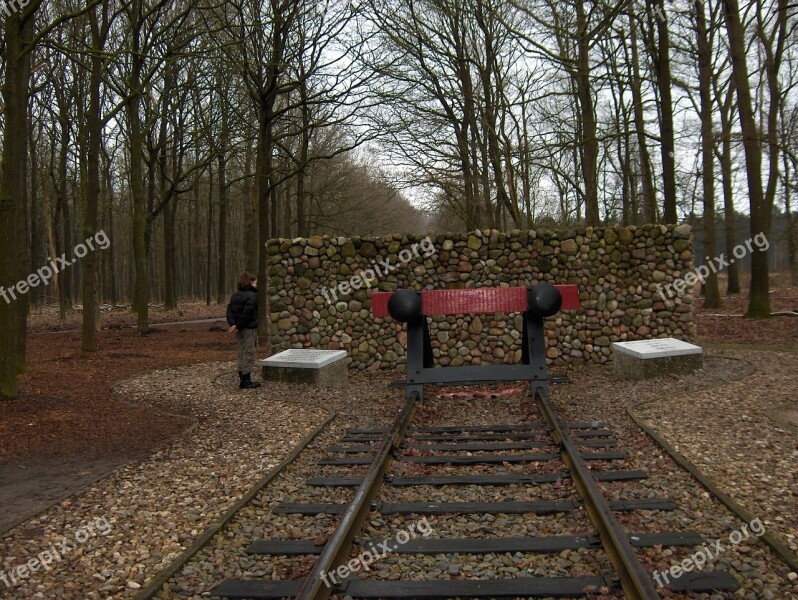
322	368
646	359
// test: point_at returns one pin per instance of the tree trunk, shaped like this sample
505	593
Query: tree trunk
285	229
646	179
168	170
140	242
266	199
466	133
662	67
301	203
491	90
791	223
773	60
209	242
91	191
730	216
251	252
110	261
50	235
169	270
221	267
221	270
526	179
711	291
624	163
759	296
141	291
274	204
23	258
18	31
37	257
64	239
262	170
193	258
590	143
491	209
304	145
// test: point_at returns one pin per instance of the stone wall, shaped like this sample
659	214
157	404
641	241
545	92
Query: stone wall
314	302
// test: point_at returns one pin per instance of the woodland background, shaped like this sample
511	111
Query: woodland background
192	131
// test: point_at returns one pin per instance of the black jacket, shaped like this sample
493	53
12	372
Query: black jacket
243	309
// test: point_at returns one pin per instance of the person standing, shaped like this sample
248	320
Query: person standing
242	316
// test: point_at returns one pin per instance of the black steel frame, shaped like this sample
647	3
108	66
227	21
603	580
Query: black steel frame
422	370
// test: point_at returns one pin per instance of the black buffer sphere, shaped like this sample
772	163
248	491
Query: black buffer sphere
405	305
544	300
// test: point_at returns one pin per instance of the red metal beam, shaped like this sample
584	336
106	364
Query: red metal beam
475	301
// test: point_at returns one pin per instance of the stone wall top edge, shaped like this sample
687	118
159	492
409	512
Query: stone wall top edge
681	230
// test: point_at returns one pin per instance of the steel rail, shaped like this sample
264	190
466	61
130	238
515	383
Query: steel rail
339	546
635	580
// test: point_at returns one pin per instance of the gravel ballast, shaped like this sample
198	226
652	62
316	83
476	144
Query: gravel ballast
157	508
734	434
724	375
593	395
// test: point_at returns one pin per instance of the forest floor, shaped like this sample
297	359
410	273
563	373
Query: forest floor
68	427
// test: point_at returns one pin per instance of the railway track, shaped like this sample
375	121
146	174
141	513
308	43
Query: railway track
573	461
553	503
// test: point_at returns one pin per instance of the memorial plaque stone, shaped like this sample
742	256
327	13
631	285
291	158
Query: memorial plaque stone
644	359
324	368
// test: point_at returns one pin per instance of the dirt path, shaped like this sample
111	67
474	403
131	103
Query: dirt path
67	428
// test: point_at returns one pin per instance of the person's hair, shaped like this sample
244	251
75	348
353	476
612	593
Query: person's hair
245	279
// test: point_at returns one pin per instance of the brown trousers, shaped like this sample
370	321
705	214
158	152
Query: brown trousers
247	340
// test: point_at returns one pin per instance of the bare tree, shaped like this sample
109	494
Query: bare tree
18	46
789	138
761	199
723	93
148	26
659	50
647	183
704	56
